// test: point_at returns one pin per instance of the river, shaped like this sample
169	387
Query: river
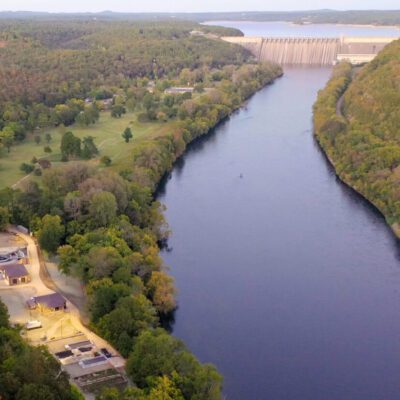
289	282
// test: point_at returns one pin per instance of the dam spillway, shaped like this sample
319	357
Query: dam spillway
312	51
296	51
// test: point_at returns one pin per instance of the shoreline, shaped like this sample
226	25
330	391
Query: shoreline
339	92
394	229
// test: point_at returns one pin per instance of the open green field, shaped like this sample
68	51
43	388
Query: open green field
107	133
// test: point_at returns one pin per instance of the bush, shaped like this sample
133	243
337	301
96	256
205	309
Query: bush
27	168
105	160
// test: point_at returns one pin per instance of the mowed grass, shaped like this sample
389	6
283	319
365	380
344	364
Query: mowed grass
108	138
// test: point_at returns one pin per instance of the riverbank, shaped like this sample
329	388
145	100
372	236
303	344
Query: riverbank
361	150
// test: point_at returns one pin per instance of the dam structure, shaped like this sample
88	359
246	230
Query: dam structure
312	51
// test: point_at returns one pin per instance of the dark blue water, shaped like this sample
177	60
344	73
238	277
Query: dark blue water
288	281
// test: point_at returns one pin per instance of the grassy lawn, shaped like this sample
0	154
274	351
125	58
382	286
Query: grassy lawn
107	133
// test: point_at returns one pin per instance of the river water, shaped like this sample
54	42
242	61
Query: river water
288	281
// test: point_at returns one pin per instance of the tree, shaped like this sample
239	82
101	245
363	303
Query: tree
70	145
4	317
155	354
117	111
103	209
33	391
37	139
4	218
127	135
162	291
27	168
105	160
103	261
165	389
89	148
50	233
7	137
48	138
131	316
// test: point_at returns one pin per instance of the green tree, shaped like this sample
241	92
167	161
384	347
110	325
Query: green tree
70	145
117	110
50	233
89	148
48	138
127	134
34	391
155	354
7	137
4	317
103	209
37	139
27	168
131	315
105	160
4	218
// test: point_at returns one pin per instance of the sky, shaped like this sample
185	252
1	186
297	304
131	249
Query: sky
191	5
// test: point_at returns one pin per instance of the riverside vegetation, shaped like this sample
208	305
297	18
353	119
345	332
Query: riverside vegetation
363	141
97	213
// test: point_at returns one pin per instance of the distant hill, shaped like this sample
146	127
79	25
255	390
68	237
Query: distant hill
376	17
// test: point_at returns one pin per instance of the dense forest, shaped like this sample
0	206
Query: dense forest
47	69
362	139
101	220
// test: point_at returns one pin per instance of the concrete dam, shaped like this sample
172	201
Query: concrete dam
312	51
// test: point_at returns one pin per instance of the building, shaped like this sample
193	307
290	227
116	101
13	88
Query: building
47	303
8	254
179	90
15	274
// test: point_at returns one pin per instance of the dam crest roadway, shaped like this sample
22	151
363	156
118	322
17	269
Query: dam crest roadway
312	51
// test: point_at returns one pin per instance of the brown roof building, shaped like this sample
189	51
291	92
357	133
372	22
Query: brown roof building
15	274
48	302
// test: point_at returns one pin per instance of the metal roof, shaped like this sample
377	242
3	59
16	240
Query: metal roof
52	300
14	270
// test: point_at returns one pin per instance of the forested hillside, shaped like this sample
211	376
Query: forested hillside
364	143
44	65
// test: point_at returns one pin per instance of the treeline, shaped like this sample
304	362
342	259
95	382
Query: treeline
364	145
29	373
48	69
378	17
106	228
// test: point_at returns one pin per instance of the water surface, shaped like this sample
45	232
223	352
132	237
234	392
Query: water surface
288	281
288	29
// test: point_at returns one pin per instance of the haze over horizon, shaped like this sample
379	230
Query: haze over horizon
184	6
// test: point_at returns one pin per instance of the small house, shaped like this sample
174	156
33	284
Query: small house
179	90
44	164
48	302
15	274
